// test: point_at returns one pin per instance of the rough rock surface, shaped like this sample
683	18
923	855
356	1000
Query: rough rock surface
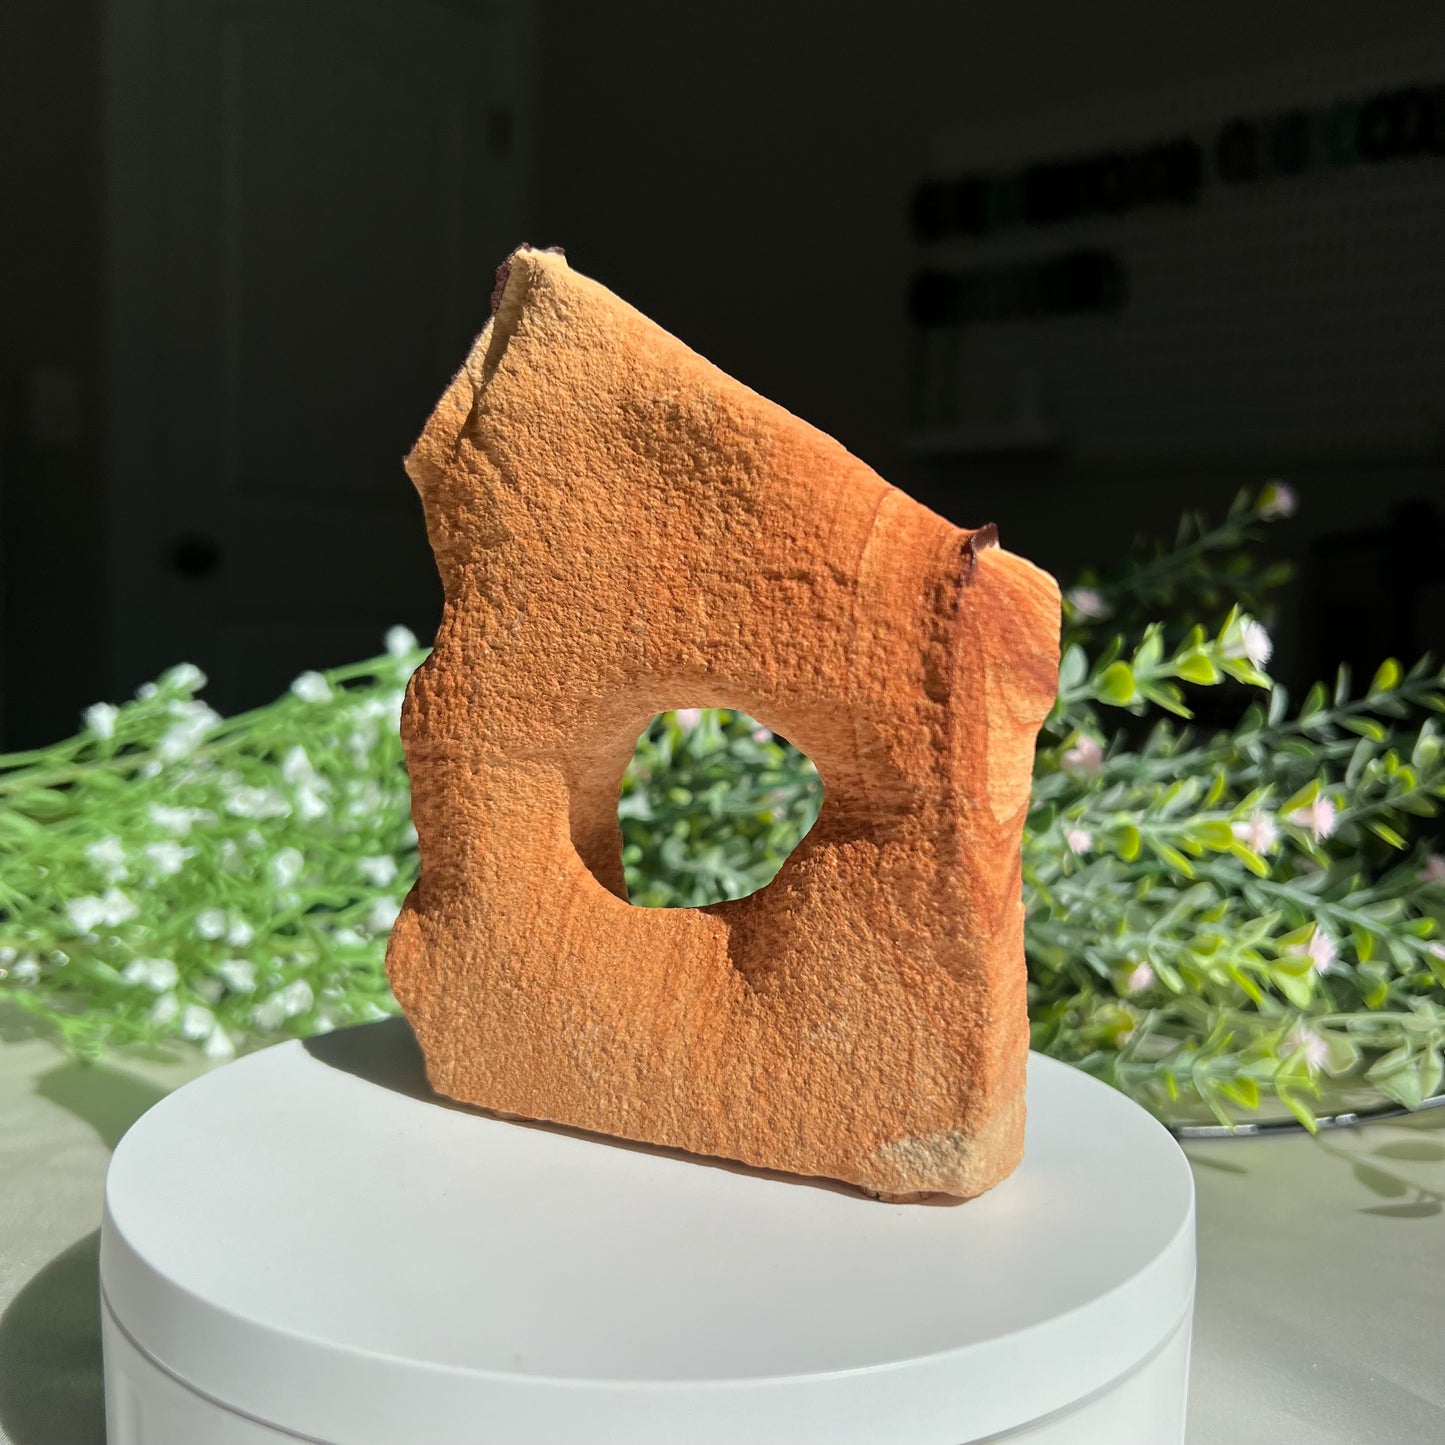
621	529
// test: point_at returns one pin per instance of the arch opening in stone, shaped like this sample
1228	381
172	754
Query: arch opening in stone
712	804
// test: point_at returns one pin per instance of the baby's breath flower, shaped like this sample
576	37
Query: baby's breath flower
184	677
196	1021
100	719
219	1046
156	974
286	867
238	974
167	858
1085	755
146	691
400	641
249	802
211	923
312	687
108	856
193	721
310	805
240	933
176	820
383	914
210	989
347	938
26	969
379	871
111	909
1317	818
295	998
165	1009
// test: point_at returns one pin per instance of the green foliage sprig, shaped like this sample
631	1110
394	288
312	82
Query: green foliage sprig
1216	919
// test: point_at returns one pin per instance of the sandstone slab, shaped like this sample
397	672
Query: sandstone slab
622	529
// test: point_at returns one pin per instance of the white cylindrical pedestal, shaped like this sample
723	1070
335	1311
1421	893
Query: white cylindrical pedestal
307	1243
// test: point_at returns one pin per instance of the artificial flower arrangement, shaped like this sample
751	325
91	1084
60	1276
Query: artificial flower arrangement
1218	921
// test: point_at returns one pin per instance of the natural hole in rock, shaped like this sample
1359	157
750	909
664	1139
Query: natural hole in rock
712	804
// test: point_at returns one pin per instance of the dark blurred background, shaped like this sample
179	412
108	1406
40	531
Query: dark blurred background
1071	269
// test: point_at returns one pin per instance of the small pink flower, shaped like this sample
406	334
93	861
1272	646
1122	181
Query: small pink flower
1278	500
1436	950
1089	603
1322	951
1316	1050
762	735
1141	977
1085	756
687	717
1434	869
1259	833
1318	819
1080	840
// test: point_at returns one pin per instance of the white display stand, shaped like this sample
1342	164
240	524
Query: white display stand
307	1244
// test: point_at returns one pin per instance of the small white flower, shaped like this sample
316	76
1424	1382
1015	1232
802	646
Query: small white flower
7	956
1278	500
1141	977
111	909
240	933
1249	641
219	1045
687	718
197	1022
310	805
1318	818
146	691
27	970
165	1009
1322	951
286	867
347	938
108	856
1258	833
383	914
211	923
175	820
1089	603
408	834
157	974
1434	869
167	858
210	989
296	767
285	1003
193	721
1085	756
1080	840
184	677
400	641
379	871
1316	1049
257	803
238	974
312	687
100	719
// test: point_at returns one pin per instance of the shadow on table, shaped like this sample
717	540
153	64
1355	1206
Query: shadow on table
51	1384
109	1100
386	1053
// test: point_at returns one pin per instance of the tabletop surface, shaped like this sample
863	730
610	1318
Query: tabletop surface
1320	1260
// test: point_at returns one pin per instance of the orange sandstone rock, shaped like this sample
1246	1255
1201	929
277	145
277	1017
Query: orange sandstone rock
622	529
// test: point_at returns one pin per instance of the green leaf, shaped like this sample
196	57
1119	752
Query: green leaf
1303	798
1387	679
1387	833
1196	667
1116	686
1304	1115
1127	841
